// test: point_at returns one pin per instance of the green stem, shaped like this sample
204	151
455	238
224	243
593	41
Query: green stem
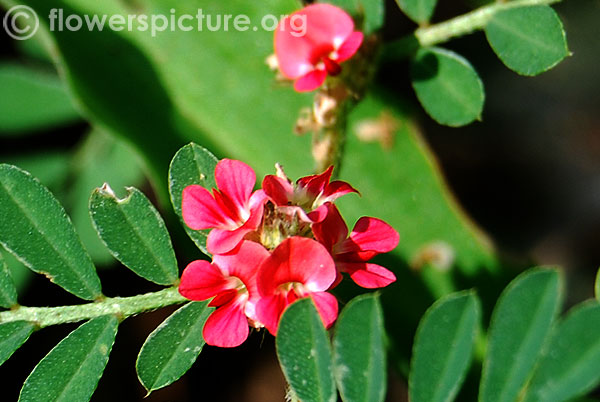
459	26
328	144
120	306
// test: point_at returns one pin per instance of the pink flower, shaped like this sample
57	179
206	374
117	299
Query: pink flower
308	197
231	280
312	42
299	267
369	237
232	209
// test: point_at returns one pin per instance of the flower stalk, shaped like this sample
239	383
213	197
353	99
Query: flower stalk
330	113
122	307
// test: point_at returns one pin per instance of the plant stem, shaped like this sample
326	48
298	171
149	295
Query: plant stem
123	307
462	25
328	142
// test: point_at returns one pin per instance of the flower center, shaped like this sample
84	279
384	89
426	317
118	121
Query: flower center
237	284
297	287
278	226
332	67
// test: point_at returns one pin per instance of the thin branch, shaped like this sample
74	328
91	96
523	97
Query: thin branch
458	26
123	307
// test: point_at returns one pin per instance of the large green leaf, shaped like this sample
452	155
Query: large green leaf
305	353
36	229
240	112
8	293
192	164
529	40
173	347
32	100
71	371
569	366
135	234
172	88
447	86
519	326
12	336
407	190
443	348
370	13
419	11
359	353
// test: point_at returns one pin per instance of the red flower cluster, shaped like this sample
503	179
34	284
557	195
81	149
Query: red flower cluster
273	246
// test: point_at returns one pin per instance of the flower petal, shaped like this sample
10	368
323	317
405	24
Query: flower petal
292	51
326	25
227	326
370	234
258	199
202	280
327	306
223	241
350	46
307	35
332	230
236	180
243	262
317	215
279	190
200	210
367	275
297	259
355	256
223	297
310	81
315	184
336	189
269	310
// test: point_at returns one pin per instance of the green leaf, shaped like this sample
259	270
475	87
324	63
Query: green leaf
32	100
36	229
173	347
304	353
447	86
359	353
192	164
12	336
100	159
443	347
424	212
72	369
135	234
520	323
569	365
368	13
8	292
528	40
420	11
